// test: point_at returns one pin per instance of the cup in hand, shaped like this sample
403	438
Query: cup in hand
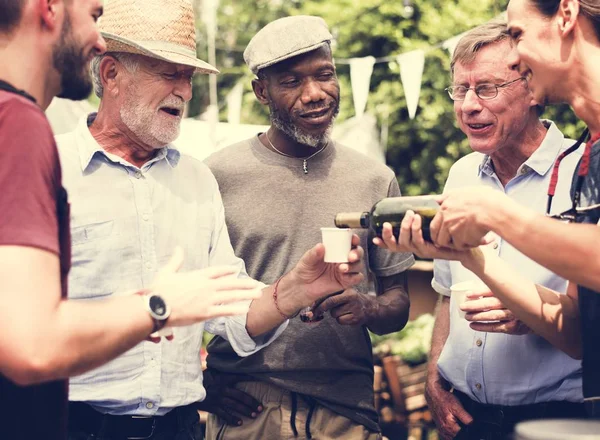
338	243
460	291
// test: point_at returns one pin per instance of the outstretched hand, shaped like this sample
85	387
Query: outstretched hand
203	294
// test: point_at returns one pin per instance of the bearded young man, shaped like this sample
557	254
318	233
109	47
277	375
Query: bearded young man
36	41
278	189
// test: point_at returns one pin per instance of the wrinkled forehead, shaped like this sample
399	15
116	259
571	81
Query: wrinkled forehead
489	65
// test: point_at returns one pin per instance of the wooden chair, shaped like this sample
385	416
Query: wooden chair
400	400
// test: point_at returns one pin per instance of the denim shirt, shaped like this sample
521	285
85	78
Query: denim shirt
125	223
496	368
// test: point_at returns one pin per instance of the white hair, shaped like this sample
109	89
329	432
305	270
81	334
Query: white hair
130	61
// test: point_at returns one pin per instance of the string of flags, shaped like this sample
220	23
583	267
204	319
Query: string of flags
411	75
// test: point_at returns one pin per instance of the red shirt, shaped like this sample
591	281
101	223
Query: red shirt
33	212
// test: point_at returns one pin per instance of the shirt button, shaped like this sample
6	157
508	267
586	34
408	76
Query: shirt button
495	246
478	386
145	217
148	265
478	342
149	405
138	174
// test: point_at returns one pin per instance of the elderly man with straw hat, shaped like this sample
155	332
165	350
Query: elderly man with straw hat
134	198
315	380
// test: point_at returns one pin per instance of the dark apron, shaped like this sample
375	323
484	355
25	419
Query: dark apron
589	300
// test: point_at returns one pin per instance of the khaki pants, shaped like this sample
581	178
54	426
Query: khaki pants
274	422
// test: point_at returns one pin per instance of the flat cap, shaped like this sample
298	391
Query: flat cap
285	38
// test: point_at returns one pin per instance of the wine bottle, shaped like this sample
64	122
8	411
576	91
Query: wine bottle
391	210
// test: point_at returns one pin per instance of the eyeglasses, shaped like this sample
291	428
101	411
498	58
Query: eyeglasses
483	91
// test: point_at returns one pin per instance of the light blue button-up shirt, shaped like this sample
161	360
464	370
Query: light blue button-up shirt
125	224
497	368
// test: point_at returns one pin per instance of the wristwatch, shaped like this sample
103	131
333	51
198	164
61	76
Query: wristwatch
158	310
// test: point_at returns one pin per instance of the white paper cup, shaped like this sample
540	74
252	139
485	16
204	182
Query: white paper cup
338	243
459	293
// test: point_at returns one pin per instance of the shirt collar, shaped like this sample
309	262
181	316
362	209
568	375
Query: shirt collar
89	149
543	157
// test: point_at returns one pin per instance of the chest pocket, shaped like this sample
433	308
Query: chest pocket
191	227
96	260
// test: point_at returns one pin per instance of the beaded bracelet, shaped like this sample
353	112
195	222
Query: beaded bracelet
277	305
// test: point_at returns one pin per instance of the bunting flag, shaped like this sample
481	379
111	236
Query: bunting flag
411	73
361	70
234	103
450	44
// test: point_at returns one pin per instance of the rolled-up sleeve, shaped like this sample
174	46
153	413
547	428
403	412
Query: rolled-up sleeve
233	328
442	277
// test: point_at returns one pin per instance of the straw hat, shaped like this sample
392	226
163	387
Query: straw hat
161	29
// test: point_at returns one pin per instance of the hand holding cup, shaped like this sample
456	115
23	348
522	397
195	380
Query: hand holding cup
488	314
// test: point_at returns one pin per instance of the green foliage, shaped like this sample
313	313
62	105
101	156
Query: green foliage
206	338
412	343
420	151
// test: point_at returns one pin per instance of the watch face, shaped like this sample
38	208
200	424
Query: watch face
158	306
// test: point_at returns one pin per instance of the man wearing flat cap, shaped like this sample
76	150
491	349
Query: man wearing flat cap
134	199
279	188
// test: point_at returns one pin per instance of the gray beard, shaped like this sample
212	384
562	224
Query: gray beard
296	134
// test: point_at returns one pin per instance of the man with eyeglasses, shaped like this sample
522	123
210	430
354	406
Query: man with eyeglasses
488	375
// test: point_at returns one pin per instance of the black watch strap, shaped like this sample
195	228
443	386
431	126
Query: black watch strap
158	324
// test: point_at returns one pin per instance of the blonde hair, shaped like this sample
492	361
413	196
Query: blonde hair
494	31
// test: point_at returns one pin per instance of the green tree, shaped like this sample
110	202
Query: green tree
421	150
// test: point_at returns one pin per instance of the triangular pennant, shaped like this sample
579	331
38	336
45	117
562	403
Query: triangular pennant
411	73
450	43
361	70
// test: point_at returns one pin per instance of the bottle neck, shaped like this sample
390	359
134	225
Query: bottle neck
353	220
